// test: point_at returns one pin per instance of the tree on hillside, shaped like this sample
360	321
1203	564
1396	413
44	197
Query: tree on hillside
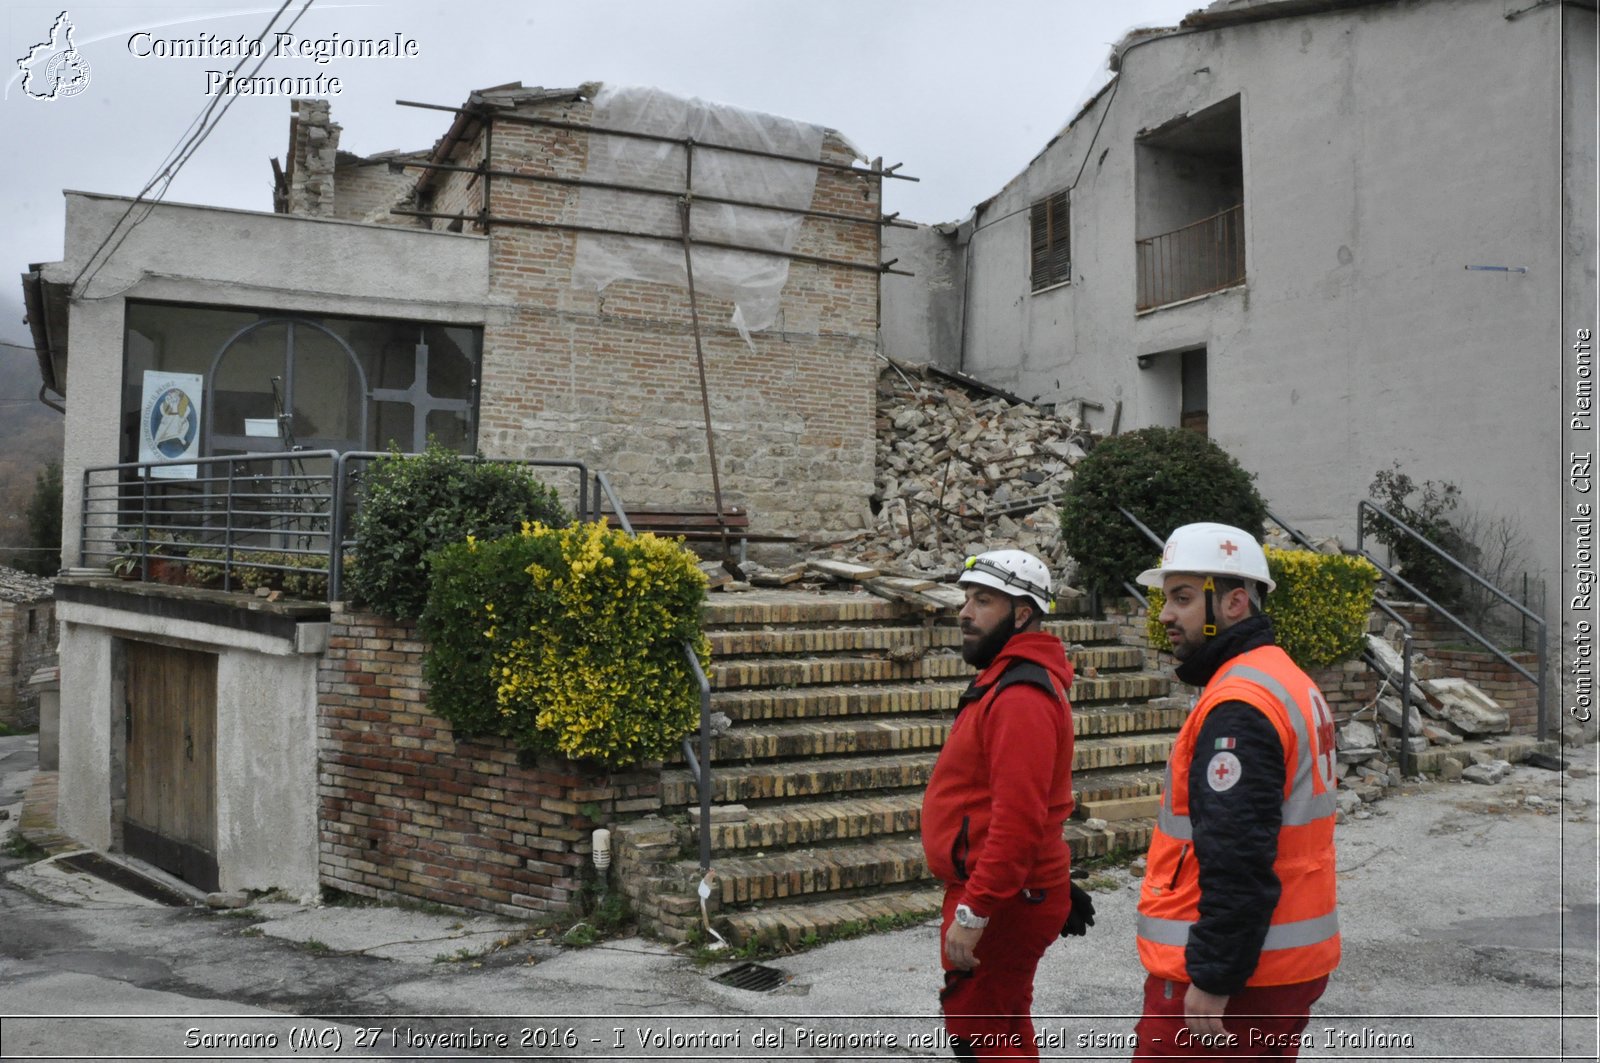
44	523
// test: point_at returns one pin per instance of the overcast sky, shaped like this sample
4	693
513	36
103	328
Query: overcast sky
961	93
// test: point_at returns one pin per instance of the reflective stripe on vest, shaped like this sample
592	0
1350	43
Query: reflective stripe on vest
1279	936
1303	805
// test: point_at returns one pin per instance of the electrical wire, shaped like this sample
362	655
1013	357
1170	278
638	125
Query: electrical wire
191	140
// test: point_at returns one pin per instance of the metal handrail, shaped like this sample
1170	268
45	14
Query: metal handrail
1539	681
302	517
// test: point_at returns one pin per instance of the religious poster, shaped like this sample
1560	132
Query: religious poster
169	422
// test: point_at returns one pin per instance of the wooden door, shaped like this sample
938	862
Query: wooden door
171	729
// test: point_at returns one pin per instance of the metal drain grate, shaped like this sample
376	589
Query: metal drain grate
117	875
752	976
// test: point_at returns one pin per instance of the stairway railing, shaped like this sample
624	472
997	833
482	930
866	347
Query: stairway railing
1364	507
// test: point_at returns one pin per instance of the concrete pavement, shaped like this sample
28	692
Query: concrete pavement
1468	912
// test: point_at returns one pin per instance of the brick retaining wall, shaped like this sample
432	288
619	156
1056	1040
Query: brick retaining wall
410	810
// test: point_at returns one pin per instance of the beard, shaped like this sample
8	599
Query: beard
981	654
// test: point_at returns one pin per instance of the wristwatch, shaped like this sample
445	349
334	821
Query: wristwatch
965	918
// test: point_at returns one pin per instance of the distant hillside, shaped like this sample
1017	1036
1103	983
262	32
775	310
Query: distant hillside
30	436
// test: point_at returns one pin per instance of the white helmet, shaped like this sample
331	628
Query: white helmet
1015	572
1210	550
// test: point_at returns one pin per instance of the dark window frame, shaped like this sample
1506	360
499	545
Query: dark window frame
1050	241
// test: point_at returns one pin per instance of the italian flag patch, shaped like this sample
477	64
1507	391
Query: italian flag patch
1225	743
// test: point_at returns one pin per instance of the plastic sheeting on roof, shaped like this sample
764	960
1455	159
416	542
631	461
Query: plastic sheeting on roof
752	282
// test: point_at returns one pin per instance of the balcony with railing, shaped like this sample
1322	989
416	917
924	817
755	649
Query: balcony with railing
248	521
1201	257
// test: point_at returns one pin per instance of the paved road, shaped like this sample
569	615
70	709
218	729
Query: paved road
1469	917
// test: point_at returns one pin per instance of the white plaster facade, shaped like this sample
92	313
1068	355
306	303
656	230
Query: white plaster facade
266	757
1384	149
266	697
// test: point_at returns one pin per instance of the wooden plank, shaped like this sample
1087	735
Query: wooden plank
843	570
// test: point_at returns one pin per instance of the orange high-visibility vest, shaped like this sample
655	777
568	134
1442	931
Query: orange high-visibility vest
1303	939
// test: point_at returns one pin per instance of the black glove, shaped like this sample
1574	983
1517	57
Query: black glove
1081	918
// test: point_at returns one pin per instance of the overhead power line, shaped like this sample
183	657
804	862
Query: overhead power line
201	128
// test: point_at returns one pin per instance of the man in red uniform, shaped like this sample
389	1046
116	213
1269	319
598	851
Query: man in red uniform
1237	925
992	814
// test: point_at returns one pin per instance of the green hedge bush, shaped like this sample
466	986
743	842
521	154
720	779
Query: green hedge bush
1167	477
411	506
568	641
1319	607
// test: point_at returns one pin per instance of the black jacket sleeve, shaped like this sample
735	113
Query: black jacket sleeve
1235	844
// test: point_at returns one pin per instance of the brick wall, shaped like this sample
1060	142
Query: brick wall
409	810
366	190
610	378
1518	697
27	643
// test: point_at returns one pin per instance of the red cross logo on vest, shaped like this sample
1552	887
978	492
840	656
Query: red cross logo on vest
1227	547
1223	771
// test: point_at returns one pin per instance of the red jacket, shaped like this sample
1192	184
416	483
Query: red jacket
1002	788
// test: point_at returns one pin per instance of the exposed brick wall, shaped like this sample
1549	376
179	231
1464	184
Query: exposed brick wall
610	378
1518	697
1514	693
23	652
365	191
408	810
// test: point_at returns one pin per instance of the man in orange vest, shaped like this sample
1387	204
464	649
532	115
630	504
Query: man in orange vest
1237	922
992	814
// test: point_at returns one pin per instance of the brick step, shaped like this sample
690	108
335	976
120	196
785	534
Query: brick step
806	892
740	783
841	775
848	700
767	641
882	733
818	822
831	738
791	607
809	872
795	924
810	823
765	672
877	699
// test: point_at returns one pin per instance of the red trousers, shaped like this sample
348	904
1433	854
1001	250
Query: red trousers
1262	1022
988	1007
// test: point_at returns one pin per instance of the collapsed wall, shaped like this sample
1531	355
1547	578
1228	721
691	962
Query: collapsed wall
962	468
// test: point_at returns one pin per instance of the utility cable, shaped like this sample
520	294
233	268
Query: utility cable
196	134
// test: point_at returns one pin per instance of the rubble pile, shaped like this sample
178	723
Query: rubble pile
1444	712
960	466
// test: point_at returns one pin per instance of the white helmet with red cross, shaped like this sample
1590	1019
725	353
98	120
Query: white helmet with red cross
1210	550
1014	572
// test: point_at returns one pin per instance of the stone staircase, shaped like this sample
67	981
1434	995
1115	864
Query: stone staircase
840	703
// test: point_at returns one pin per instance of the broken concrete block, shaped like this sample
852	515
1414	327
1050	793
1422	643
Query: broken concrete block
1486	774
1348	801
1440	736
1389	710
1465	706
1450	769
1357	735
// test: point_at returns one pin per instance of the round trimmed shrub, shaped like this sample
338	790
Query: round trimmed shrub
413	505
1167	477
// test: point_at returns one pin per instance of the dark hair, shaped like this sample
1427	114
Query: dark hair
1228	584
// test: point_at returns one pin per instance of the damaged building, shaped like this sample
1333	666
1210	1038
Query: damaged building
477	294
1332	235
